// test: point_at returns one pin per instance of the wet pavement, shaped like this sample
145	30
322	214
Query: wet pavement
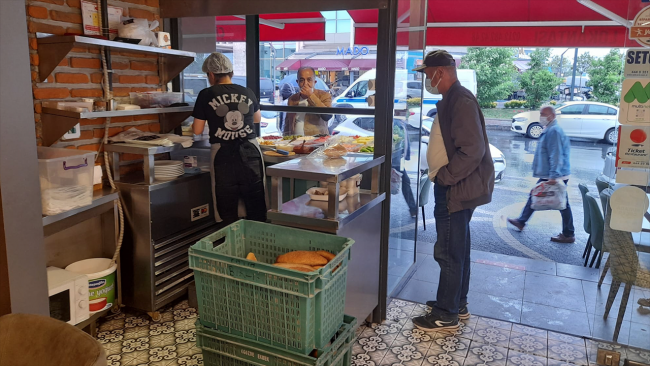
489	230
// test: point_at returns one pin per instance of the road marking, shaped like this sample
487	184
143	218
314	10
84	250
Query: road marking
501	227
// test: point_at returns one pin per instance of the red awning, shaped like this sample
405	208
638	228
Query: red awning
362	64
290	27
509	23
288	65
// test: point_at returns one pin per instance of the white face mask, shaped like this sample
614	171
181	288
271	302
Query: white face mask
430	88
545	121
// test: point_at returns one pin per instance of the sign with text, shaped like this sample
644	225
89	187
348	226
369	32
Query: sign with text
352	51
637	63
635	102
640	29
633	150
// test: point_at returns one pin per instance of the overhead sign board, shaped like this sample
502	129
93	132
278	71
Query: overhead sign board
637	63
640	29
635	102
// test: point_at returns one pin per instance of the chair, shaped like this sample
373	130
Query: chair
625	267
602	183
597	224
425	192
586	224
605	196
28	340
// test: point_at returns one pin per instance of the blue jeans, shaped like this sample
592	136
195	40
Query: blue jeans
567	216
452	252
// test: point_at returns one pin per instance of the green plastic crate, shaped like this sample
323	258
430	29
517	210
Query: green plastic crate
221	349
283	308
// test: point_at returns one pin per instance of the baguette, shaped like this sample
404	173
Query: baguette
302	257
324	253
296	267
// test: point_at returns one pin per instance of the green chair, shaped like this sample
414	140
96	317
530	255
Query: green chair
586	224
425	192
602	183
597	223
625	268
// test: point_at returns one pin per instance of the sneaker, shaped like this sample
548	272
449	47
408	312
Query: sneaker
463	313
433	322
563	239
516	223
644	302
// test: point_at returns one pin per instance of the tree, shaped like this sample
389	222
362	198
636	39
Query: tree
606	76
494	72
583	66
567	65
538	82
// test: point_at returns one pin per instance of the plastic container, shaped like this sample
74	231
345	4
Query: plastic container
101	281
156	99
66	178
223	349
283	308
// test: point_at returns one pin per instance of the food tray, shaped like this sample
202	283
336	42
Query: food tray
324	197
283	308
222	349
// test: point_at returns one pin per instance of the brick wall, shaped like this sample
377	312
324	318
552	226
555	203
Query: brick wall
79	75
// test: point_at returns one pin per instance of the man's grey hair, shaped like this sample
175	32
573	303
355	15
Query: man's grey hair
549	108
305	68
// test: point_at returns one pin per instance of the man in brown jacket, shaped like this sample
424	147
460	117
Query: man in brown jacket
307	124
466	182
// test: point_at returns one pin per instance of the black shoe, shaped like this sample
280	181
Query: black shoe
433	322
463	312
516	223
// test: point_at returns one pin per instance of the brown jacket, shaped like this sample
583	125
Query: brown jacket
315	124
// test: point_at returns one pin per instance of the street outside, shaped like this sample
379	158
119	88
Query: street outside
488	227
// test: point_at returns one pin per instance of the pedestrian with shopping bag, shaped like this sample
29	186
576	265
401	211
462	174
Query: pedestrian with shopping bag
551	165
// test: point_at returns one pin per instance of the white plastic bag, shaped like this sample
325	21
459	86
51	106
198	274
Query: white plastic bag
141	29
395	181
547	196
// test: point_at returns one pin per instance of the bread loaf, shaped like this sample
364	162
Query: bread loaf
324	253
296	267
251	257
302	257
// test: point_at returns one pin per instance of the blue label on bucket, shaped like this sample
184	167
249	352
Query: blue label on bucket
96	284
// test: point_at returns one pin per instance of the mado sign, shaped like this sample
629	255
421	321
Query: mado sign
354	51
637	63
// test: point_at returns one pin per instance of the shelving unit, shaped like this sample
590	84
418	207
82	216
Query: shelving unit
57	122
148	153
104	206
52	49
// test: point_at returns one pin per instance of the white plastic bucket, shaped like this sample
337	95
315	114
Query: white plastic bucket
101	281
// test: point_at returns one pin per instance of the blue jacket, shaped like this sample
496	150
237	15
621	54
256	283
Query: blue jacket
552	155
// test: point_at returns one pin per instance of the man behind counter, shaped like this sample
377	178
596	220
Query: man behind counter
307	124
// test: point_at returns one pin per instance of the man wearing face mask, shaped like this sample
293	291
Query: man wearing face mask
464	181
307	124
551	163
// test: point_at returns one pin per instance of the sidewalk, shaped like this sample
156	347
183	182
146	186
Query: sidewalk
553	296
498	124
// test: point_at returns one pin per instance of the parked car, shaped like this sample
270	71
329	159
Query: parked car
270	123
266	86
365	126
589	120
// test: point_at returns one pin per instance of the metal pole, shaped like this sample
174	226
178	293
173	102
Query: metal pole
387	48
573	78
253	57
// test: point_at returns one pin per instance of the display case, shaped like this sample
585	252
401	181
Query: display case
357	216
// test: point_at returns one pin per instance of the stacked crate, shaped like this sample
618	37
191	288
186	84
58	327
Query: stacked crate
252	311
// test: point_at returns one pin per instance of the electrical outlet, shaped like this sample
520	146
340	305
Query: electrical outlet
608	358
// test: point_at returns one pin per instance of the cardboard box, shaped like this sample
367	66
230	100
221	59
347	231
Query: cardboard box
90	19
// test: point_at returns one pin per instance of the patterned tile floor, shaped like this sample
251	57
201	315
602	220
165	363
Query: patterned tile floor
132	339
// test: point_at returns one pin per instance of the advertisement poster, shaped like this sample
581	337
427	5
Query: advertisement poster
640	29
635	102
637	63
633	150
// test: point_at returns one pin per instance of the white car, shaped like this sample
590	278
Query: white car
365	126
270	123
590	120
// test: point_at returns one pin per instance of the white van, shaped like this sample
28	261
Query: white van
355	96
